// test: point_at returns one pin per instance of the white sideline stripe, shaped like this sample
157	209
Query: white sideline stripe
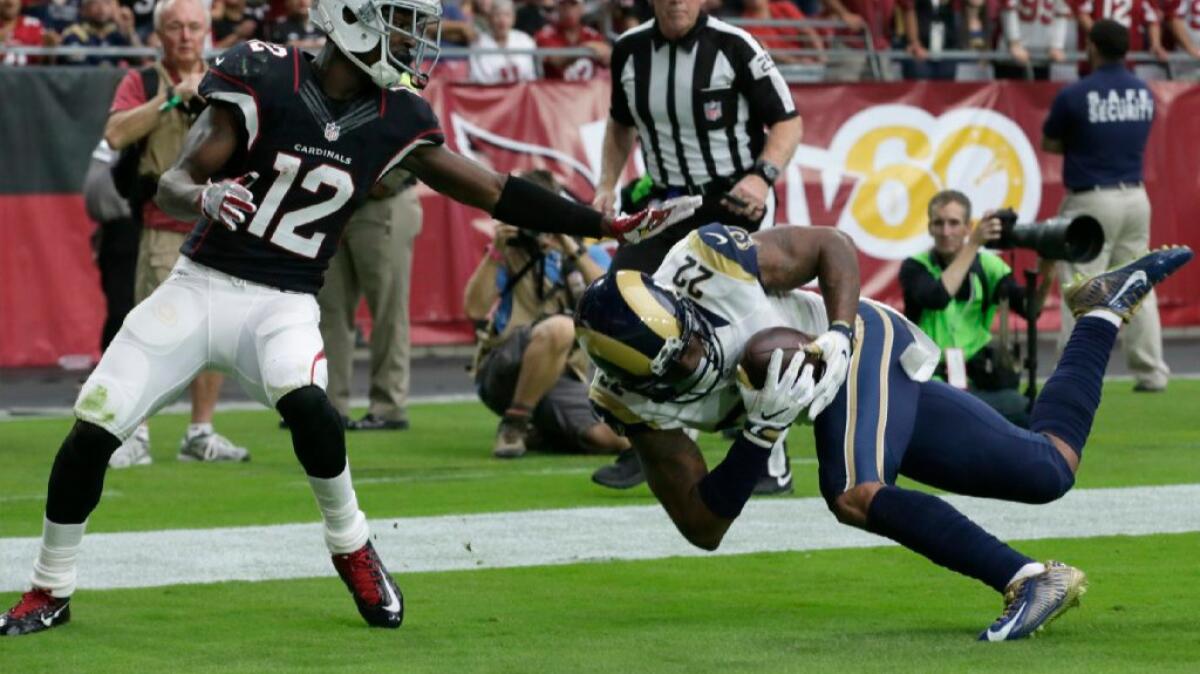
569	536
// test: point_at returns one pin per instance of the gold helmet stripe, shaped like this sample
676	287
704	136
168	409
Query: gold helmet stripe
653	314
622	355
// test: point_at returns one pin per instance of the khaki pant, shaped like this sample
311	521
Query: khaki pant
158	251
375	260
1124	214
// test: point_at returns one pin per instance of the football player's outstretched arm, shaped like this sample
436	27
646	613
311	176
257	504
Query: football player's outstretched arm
210	143
522	203
789	257
674	468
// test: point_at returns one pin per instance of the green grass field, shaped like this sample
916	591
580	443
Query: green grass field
878	609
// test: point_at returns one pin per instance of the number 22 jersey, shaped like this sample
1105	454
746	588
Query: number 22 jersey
316	160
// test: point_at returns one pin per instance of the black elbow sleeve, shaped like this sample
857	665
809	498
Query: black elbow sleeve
524	204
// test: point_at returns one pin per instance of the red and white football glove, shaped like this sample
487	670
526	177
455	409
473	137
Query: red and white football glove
651	221
229	201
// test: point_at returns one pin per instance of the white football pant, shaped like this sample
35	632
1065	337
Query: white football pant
200	319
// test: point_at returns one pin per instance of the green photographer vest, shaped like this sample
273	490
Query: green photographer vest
965	324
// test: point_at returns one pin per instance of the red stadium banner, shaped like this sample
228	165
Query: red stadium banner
871	157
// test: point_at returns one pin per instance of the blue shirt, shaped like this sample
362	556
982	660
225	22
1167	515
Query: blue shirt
1103	121
553	261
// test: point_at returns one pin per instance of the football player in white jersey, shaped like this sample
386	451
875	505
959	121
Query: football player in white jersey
667	349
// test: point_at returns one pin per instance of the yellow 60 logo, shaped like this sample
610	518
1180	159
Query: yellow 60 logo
902	156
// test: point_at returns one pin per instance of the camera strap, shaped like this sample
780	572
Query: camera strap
513	280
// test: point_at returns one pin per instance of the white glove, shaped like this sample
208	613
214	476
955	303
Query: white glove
228	201
772	409
833	347
651	221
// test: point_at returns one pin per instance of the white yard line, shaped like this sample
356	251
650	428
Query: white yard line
569	536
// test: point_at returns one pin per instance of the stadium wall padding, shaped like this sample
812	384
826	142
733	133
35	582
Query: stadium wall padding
871	155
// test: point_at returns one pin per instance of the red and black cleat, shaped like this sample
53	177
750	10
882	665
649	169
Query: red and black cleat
378	599
36	611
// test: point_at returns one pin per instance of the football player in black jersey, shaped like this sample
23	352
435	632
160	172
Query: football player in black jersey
287	149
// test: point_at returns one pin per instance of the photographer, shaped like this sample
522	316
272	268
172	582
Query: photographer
952	292
527	368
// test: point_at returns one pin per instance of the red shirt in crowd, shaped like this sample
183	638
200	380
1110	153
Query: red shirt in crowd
130	94
876	14
580	69
779	37
24	31
1133	14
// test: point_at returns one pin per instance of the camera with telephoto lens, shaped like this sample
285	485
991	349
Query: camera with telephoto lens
1077	238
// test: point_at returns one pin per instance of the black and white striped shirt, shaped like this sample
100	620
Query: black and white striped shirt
700	103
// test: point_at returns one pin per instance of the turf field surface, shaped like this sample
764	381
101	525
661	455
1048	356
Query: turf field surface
880	609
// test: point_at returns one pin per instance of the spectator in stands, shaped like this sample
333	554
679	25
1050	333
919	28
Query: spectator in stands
478	12
930	27
629	13
774	38
373	260
458	29
295	29
1182	18
17	29
235	23
55	15
151	113
849	44
527	366
952	292
143	16
533	15
1140	17
568	31
502	68
104	24
1033	27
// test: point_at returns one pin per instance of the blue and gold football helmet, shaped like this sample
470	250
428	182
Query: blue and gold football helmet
636	331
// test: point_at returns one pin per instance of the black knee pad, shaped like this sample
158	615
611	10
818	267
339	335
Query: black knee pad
77	477
317	434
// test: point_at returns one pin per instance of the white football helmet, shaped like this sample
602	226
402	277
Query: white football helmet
407	34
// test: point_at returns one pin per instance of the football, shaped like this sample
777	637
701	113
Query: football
757	355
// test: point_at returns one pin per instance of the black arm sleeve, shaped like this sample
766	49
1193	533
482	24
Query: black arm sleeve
527	205
921	290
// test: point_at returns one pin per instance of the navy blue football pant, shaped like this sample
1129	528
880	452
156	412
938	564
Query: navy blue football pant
882	423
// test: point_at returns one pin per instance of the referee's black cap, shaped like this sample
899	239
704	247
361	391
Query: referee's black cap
1111	39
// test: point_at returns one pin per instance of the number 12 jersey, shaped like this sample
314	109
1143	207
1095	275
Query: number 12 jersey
316	160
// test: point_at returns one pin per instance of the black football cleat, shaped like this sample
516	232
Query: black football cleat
37	611
379	601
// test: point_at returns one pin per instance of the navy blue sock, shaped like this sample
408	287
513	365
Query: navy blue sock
727	487
931	527
1068	402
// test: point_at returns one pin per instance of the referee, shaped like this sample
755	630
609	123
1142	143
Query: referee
714	118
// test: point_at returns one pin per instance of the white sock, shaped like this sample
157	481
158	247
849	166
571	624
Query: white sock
1104	314
1030	569
345	525
199	429
54	569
